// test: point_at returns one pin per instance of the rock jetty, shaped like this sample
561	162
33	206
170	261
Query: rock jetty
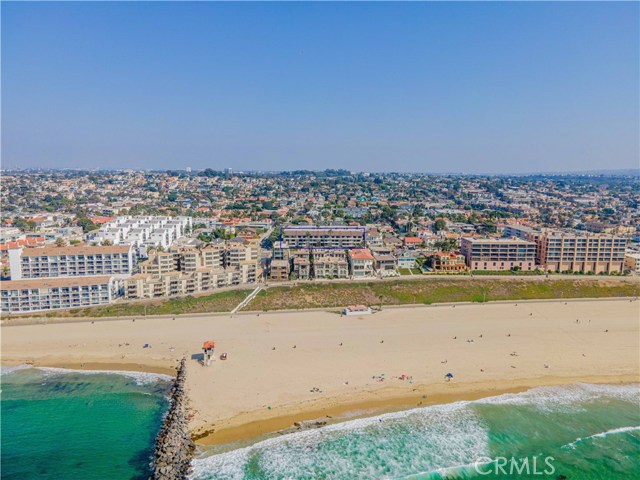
174	447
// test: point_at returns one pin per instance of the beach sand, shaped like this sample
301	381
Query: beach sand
335	370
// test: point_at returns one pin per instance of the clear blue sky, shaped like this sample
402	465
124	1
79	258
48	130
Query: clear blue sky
433	87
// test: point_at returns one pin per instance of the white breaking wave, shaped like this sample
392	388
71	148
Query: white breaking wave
141	378
430	438
7	369
441	439
565	397
613	431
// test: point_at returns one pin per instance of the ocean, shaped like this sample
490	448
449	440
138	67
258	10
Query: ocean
77	425
577	432
61	424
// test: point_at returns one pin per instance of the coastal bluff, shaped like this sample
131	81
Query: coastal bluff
174	447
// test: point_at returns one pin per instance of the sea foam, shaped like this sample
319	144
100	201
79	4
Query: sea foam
141	378
444	439
7	369
429	438
605	434
566	397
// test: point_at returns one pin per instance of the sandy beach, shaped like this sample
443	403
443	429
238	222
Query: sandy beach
289	367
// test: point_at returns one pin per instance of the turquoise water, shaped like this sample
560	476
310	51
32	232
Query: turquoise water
71	425
575	432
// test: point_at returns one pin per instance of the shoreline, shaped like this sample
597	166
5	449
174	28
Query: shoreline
287	368
336	410
327	411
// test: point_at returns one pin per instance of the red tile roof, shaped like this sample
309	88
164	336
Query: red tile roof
21	243
361	254
101	220
413	240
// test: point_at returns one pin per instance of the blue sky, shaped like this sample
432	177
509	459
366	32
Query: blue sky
430	87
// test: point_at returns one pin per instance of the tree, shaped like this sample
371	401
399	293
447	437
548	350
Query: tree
60	242
23	224
107	243
446	245
86	224
440	225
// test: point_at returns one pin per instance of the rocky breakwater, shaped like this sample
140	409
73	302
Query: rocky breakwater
174	447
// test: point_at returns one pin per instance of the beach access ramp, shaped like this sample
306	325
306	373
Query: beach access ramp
246	300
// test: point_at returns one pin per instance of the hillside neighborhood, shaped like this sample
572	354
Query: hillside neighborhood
75	239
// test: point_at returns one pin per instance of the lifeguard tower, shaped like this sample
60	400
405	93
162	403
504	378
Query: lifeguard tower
208	349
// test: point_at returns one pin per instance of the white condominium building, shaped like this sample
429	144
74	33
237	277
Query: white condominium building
20	296
144	232
72	261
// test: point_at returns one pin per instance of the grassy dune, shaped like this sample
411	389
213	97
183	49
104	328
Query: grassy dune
397	292
438	291
217	302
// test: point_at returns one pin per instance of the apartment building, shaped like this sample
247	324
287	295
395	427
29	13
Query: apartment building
498	253
144	232
632	263
330	264
559	251
521	231
279	270
361	263
178	283
242	255
41	294
339	237
73	261
159	263
187	270
301	267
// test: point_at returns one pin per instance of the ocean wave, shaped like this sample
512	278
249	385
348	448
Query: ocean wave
141	378
7	369
429	438
565	397
438	439
605	434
